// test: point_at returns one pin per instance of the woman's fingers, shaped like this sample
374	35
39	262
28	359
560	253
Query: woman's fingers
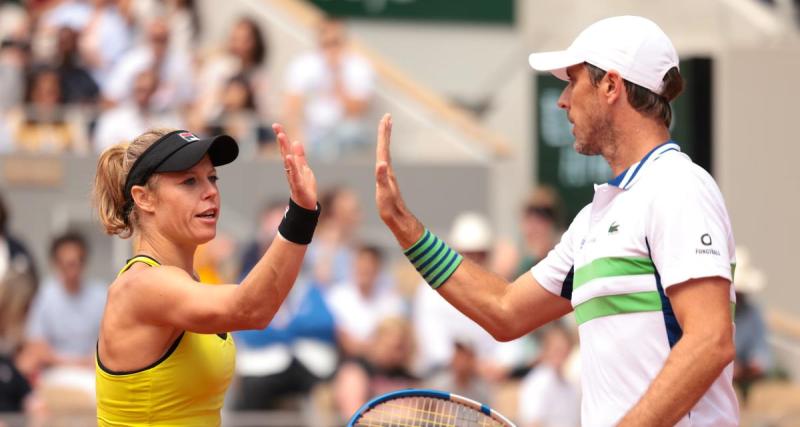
302	183
299	151
284	144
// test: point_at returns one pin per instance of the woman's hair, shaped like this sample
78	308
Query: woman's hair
250	98
260	51
109	182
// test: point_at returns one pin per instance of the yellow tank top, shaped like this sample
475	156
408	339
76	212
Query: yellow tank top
185	387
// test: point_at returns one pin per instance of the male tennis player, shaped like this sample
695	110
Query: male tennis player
646	267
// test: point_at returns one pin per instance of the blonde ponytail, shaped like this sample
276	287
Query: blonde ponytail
108	190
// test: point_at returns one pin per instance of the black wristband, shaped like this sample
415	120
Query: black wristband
299	223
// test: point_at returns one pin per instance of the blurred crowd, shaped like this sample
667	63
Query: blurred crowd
78	76
358	322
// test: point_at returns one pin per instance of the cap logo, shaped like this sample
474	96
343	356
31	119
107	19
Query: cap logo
188	136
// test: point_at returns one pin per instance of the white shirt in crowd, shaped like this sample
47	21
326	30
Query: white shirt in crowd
69	323
358	315
311	77
547	399
175	85
126	122
438	326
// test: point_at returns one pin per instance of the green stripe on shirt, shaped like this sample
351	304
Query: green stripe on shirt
617	304
610	305
613	267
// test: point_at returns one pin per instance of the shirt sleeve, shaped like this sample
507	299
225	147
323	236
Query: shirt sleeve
555	271
688	230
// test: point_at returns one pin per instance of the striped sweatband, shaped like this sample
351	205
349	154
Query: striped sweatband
434	260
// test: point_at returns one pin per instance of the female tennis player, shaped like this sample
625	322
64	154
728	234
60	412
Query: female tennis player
164	355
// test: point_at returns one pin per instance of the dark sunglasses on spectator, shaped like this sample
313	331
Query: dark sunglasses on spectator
542	211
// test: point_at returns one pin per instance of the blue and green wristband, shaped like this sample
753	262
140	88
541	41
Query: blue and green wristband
433	259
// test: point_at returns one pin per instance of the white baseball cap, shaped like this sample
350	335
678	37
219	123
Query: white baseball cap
471	232
635	47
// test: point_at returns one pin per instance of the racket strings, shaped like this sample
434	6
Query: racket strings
425	412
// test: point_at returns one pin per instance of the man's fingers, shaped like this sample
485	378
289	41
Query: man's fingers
383	153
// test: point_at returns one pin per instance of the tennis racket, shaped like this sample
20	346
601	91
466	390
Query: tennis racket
426	408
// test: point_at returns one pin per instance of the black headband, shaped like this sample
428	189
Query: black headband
174	152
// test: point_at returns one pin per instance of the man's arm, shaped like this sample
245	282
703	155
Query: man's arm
702	307
505	310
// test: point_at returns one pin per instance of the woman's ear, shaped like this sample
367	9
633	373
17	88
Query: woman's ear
613	86
143	198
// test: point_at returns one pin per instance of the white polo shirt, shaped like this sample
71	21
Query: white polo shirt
660	223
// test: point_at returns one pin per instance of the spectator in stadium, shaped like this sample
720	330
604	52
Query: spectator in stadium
44	124
647	265
266	230
104	39
297	350
16	293
14	59
133	117
246	56
182	15
547	398
753	356
541	224
176	349
65	316
384	367
14	254
284	361
77	83
238	117
330	257
462	375
47	17
360	305
214	261
440	327
173	67
328	92
18	285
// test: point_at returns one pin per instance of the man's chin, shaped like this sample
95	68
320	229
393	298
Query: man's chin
586	150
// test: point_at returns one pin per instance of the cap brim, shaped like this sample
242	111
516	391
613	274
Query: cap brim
554	62
221	149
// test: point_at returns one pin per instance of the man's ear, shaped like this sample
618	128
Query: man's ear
613	86
143	198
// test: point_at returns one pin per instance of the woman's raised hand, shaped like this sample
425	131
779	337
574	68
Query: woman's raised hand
302	183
